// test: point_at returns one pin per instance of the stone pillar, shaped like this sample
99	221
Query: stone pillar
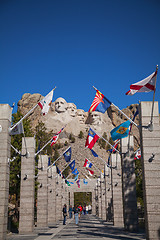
103	200
5	141
150	152
42	195
27	188
96	200
52	196
93	203
109	200
58	199
71	197
129	185
117	191
99	198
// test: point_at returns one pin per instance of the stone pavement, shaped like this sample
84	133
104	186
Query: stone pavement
90	227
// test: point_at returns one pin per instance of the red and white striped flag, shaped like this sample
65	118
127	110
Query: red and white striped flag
146	85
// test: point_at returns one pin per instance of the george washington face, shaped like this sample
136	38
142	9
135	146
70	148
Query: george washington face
60	105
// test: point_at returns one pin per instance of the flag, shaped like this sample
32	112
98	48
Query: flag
146	85
138	154
100	103
55	138
84	181
94	153
71	182
91	139
49	161
58	171
87	164
114	146
75	171
78	183
90	172
67	155
72	165
121	131
67	182
76	177
136	113
17	130
46	102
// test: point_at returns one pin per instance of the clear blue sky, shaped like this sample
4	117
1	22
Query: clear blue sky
75	44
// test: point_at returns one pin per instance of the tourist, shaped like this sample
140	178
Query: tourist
64	214
84	209
76	211
70	211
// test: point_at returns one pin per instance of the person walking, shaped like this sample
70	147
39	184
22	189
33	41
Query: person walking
70	211
76	211
64	214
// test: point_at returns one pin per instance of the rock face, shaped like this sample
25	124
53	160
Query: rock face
62	113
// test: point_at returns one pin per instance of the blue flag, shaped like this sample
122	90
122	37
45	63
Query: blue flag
72	165
67	155
75	171
58	171
94	153
84	181
49	161
76	177
121	131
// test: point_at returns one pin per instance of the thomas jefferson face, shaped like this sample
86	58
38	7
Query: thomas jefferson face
95	118
60	105
72	109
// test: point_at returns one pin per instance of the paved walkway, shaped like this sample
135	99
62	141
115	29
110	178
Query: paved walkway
89	228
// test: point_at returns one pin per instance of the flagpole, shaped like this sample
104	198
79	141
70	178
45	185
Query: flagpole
11	128
66	167
45	145
15	149
58	158
108	143
150	126
121	111
98	169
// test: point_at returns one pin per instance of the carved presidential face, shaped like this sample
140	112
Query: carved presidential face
72	109
95	118
60	105
81	115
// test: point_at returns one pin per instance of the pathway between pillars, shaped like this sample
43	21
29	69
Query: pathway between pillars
89	228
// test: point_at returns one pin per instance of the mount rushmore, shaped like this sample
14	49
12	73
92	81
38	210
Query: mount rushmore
62	113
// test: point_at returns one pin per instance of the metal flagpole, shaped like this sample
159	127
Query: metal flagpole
46	144
58	158
121	112
15	149
108	143
27	114
43	147
150	126
65	167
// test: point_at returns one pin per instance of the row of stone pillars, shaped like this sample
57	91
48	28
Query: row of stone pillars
120	204
116	192
115	195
